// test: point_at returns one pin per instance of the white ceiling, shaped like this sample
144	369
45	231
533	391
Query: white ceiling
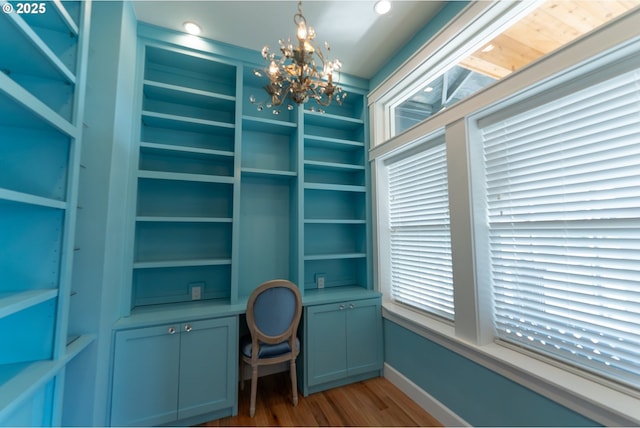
363	40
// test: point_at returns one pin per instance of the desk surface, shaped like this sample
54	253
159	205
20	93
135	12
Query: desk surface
203	309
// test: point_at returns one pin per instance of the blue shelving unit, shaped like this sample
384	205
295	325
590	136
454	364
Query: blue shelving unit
227	196
41	88
185	178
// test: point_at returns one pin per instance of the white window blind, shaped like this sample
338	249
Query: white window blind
563	199
420	239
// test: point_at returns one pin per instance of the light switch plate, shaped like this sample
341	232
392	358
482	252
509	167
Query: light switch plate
320	277
195	290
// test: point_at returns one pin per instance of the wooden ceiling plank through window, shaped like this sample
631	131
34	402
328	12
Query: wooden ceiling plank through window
553	24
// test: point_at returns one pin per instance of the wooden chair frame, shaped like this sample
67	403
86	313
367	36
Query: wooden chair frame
257	337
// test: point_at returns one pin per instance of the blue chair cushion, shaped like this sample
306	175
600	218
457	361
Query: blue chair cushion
273	310
266	351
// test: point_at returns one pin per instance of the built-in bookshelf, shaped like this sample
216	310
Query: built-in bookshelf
335	189
185	178
41	85
268	201
232	193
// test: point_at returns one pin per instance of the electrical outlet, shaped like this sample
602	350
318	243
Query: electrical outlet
320	277
195	289
196	293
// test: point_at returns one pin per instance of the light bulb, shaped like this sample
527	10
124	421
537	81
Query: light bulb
302	31
273	68
383	6
192	28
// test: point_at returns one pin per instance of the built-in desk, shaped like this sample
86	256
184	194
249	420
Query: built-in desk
178	364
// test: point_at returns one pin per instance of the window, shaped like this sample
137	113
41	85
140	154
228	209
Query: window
522	33
419	235
572	378
563	208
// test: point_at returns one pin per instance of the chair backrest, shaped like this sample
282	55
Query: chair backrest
273	311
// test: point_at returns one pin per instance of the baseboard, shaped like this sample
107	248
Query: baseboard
435	408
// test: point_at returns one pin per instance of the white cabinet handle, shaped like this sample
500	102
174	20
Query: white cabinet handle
171	330
188	328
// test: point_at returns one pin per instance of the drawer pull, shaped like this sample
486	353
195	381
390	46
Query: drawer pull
341	307
171	330
351	306
188	328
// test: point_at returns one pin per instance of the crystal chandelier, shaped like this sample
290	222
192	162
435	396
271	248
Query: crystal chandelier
302	73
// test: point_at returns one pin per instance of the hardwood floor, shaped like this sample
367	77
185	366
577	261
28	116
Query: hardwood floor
375	402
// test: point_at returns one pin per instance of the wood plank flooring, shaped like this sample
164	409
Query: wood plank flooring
374	402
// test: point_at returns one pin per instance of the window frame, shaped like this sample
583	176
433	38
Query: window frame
610	64
383	163
472	334
466	33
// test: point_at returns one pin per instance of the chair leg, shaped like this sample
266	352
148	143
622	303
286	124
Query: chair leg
294	382
254	387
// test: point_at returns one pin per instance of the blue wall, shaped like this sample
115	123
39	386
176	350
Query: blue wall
475	393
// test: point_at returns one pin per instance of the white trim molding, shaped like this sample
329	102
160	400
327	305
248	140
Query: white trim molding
580	394
435	408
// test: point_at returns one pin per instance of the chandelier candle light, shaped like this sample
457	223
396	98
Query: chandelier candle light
301	73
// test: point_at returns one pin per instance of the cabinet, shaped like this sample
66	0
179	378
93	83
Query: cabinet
343	343
175	372
185	178
41	92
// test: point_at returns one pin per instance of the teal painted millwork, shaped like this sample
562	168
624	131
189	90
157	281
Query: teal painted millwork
175	372
42	87
182	185
224	197
99	261
442	18
475	393
343	343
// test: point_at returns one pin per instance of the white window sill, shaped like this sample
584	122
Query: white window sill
595	401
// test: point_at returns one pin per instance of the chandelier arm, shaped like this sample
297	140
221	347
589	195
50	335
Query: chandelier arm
325	103
300	73
299	17
286	90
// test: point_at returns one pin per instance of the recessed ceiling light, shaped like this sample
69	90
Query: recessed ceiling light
428	89
192	28
383	6
488	48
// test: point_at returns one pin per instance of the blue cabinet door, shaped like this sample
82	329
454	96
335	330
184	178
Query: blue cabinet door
164	374
364	336
343	340
208	366
145	376
326	343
